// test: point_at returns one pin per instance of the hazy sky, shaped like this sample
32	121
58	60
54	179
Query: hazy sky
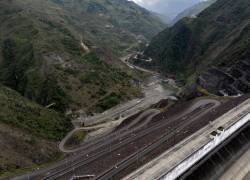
168	7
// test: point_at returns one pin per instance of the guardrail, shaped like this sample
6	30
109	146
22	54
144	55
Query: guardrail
145	171
108	174
190	160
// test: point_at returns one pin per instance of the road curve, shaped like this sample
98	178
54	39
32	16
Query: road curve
80	159
151	113
142	152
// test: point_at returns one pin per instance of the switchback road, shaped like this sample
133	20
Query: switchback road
108	156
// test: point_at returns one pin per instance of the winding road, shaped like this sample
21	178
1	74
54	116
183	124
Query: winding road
105	157
108	156
149	114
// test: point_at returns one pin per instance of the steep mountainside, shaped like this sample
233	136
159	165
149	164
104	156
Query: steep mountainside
62	53
112	24
28	132
164	18
194	10
219	36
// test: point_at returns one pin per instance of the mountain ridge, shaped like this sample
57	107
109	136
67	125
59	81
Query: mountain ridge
44	59
58	57
218	37
194	10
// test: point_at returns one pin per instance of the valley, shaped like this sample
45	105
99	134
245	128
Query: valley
106	89
59	58
102	124
132	145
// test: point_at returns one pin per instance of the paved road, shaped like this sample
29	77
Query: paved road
101	149
165	137
153	93
125	60
171	158
149	114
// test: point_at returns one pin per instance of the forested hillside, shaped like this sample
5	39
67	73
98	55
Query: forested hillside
218	37
65	52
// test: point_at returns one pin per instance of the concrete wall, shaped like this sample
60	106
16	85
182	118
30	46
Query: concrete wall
206	149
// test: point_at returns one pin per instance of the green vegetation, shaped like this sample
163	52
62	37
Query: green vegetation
17	58
109	101
28	132
113	25
41	56
44	64
76	139
219	36
110	86
14	171
194	10
19	112
79	136
171	88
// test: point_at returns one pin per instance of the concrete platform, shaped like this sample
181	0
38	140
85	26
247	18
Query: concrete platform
178	159
239	170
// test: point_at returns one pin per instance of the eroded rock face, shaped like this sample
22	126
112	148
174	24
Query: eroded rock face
227	81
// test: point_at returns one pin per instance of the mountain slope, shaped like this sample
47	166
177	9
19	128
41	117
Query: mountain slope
64	53
194	10
111	24
19	112
218	37
28	132
164	18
